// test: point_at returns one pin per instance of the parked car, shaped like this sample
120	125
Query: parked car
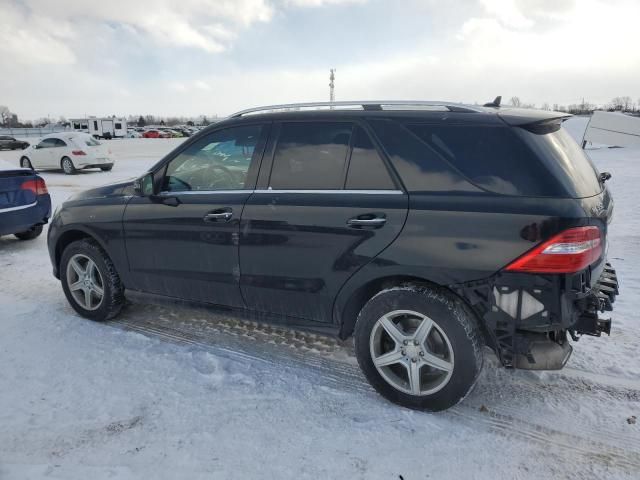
156	134
133	134
10	143
425	231
25	204
70	151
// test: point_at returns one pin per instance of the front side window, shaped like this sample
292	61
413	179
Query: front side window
220	161
311	156
118	126
47	143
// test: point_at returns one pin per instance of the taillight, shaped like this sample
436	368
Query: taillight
568	252
37	186
78	152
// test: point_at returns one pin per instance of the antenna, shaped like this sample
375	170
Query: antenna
332	77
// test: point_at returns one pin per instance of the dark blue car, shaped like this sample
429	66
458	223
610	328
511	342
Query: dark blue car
25	205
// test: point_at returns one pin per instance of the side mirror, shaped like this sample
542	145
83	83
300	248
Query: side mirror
144	186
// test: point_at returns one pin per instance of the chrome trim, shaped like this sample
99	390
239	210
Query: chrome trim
209	192
202	192
21	207
451	106
364	192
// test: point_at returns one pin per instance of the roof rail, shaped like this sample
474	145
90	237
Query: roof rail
364	105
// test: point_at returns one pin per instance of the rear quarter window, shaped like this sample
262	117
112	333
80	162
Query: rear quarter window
504	160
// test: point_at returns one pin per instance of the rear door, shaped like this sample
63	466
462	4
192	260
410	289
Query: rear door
183	241
326	204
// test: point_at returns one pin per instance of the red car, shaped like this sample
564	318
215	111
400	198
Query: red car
151	134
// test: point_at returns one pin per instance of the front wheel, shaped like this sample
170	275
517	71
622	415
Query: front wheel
106	169
419	347
67	166
90	281
30	234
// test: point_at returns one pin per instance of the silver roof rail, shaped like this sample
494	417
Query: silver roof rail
362	105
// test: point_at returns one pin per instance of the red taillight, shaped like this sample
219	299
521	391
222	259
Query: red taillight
78	152
37	186
568	252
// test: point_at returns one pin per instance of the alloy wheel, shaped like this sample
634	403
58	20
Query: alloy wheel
411	352
85	282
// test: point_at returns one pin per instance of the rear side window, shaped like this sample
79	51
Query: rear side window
311	156
367	170
566	161
60	143
493	158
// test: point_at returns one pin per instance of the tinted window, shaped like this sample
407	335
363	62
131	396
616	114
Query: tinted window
118	126
311	155
367	170
420	167
60	143
219	161
494	158
565	160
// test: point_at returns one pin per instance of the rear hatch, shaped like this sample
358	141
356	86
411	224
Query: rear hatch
12	193
92	147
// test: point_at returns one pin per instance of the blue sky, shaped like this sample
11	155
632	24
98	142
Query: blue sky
191	57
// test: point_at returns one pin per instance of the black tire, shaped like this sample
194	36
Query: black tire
26	163
30	234
67	166
451	316
113	298
106	169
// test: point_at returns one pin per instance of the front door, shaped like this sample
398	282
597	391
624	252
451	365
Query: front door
183	241
329	206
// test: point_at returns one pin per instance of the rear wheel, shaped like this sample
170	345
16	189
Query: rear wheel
106	169
67	166
26	163
30	234
419	347
90	281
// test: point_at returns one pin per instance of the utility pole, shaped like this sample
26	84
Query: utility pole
332	77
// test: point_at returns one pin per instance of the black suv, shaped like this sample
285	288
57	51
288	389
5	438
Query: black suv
425	230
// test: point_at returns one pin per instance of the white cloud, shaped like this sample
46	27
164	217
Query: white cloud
320	3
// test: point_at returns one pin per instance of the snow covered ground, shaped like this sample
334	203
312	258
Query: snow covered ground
186	393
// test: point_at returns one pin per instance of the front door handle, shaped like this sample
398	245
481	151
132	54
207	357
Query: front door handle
367	221
221	215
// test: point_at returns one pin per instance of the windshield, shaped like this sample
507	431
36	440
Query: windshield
566	161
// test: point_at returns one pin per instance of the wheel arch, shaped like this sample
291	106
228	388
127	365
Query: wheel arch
347	311
70	236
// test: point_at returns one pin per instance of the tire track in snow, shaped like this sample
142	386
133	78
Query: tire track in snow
237	339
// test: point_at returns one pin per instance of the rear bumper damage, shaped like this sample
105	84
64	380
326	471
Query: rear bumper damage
528	319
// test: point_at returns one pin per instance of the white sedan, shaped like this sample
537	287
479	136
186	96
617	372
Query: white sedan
70	151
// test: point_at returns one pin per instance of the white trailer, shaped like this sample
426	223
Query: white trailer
612	128
101	127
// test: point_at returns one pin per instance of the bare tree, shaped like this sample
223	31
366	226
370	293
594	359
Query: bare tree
515	101
5	115
545	106
627	104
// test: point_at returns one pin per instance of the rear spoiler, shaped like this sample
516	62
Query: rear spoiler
519	117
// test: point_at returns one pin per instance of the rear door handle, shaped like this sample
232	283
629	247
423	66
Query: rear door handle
367	221
220	215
